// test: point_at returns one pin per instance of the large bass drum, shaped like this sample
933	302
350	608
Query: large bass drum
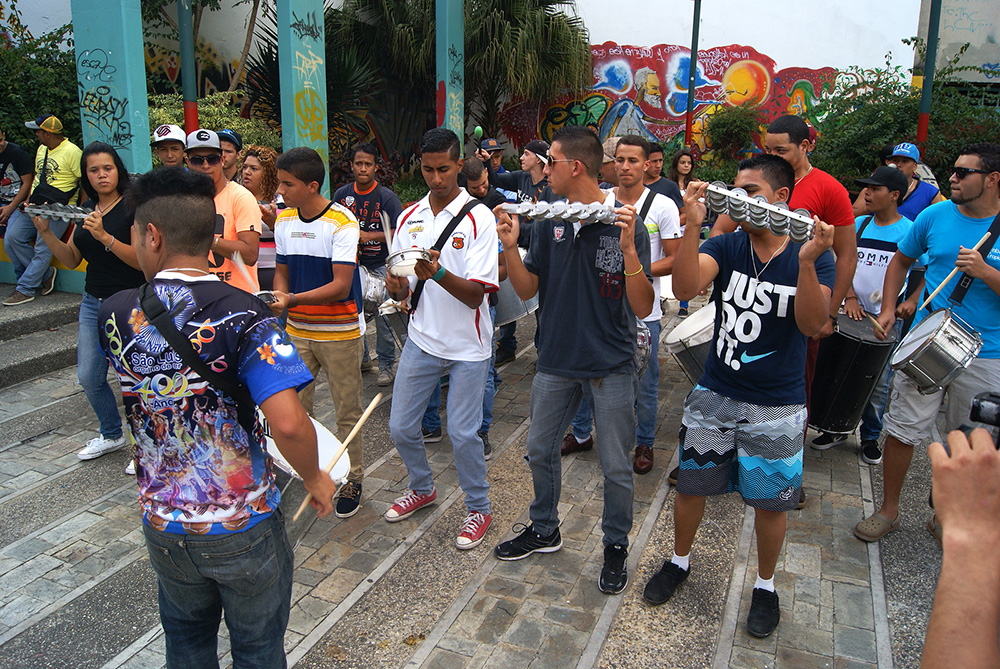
848	367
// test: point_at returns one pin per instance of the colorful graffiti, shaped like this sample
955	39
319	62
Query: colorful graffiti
212	74
644	91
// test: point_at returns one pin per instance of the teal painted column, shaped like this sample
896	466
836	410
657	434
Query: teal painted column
111	76
450	19
302	66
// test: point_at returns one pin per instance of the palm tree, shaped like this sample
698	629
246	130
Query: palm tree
521	50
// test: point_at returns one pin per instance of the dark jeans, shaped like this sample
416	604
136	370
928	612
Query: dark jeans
247	576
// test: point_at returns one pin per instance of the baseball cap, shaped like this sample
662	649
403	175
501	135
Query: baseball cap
203	139
539	148
491	144
231	136
907	150
610	146
888	176
47	122
168	133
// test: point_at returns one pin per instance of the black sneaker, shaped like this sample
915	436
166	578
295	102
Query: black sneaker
504	356
764	613
528	542
827	440
614	574
660	588
430	436
487	448
871	452
349	499
672	476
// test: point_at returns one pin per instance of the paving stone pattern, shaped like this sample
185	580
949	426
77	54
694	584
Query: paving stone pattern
77	590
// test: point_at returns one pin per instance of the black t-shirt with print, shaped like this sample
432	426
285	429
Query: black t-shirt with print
367	208
14	163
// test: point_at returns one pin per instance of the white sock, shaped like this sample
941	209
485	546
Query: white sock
579	440
764	584
682	561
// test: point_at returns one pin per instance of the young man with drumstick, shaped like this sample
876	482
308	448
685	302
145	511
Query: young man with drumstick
593	280
450	331
946	232
316	248
744	422
210	520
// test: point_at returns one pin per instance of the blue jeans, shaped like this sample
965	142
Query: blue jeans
417	376
505	338
554	400
385	345
871	418
92	370
28	252
247	576
645	428
432	416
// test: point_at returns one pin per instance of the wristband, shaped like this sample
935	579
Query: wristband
108	247
438	275
638	271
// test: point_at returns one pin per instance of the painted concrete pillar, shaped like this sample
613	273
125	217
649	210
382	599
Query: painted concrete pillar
450	19
111	73
302	67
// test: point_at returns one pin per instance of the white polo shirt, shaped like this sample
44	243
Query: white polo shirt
442	325
663	221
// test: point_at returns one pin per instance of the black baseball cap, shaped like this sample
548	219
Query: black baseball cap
232	137
890	177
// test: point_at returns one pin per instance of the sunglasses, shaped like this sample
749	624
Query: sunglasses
962	172
198	161
551	161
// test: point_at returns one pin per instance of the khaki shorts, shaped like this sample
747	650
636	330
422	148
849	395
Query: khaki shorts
911	415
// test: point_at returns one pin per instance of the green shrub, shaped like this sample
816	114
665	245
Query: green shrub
731	130
410	188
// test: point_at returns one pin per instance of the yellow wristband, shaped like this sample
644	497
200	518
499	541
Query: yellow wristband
638	271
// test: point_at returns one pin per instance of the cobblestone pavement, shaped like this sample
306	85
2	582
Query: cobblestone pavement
76	588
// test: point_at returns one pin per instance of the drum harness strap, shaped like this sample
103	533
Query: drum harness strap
438	245
958	294
158	315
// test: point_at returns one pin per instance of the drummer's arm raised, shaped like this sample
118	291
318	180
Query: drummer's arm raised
692	271
524	282
295	437
895	276
812	299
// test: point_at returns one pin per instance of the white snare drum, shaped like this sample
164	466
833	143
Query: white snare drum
510	307
937	350
327	443
404	261
398	320
643	347
691	341
372	291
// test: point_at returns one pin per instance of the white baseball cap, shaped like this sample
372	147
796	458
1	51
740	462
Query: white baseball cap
168	133
203	139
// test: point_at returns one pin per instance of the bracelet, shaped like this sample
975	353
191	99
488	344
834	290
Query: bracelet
292	300
108	247
438	275
638	271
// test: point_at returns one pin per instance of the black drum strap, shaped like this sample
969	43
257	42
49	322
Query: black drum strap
864	224
438	245
965	281
646	205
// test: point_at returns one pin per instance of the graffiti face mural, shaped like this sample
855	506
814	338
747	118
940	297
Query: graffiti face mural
644	91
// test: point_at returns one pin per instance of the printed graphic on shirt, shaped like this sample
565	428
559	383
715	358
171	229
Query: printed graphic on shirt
744	301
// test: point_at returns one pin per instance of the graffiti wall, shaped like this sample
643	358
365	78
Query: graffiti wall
644	91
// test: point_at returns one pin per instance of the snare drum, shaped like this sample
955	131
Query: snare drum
849	365
327	444
372	291
936	350
691	341
510	307
404	261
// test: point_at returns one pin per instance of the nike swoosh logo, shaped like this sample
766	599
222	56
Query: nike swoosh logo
747	359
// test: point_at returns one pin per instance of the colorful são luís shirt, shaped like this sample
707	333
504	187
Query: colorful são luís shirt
199	471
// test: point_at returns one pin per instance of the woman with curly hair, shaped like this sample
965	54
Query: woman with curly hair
260	177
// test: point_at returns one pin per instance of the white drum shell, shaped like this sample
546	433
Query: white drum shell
690	341
403	261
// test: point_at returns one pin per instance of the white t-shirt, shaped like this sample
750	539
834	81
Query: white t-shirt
442	325
663	221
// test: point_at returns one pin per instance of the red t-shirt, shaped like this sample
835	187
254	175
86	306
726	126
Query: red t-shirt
822	195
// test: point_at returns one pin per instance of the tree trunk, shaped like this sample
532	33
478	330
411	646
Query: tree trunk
235	81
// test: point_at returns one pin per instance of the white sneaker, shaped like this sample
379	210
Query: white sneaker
130	468
98	446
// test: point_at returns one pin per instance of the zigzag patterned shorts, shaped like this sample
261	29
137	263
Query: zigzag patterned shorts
733	446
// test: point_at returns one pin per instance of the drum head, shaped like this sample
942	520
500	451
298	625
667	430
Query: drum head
918	334
404	268
862	330
696	329
327	445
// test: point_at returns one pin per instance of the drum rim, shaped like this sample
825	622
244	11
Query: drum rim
689	323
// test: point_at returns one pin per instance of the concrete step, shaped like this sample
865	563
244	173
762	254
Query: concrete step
45	312
31	355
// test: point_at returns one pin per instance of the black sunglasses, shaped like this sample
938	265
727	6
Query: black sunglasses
211	159
962	172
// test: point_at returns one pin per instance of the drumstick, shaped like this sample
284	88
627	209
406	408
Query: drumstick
386	228
872	319
952	275
340	452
